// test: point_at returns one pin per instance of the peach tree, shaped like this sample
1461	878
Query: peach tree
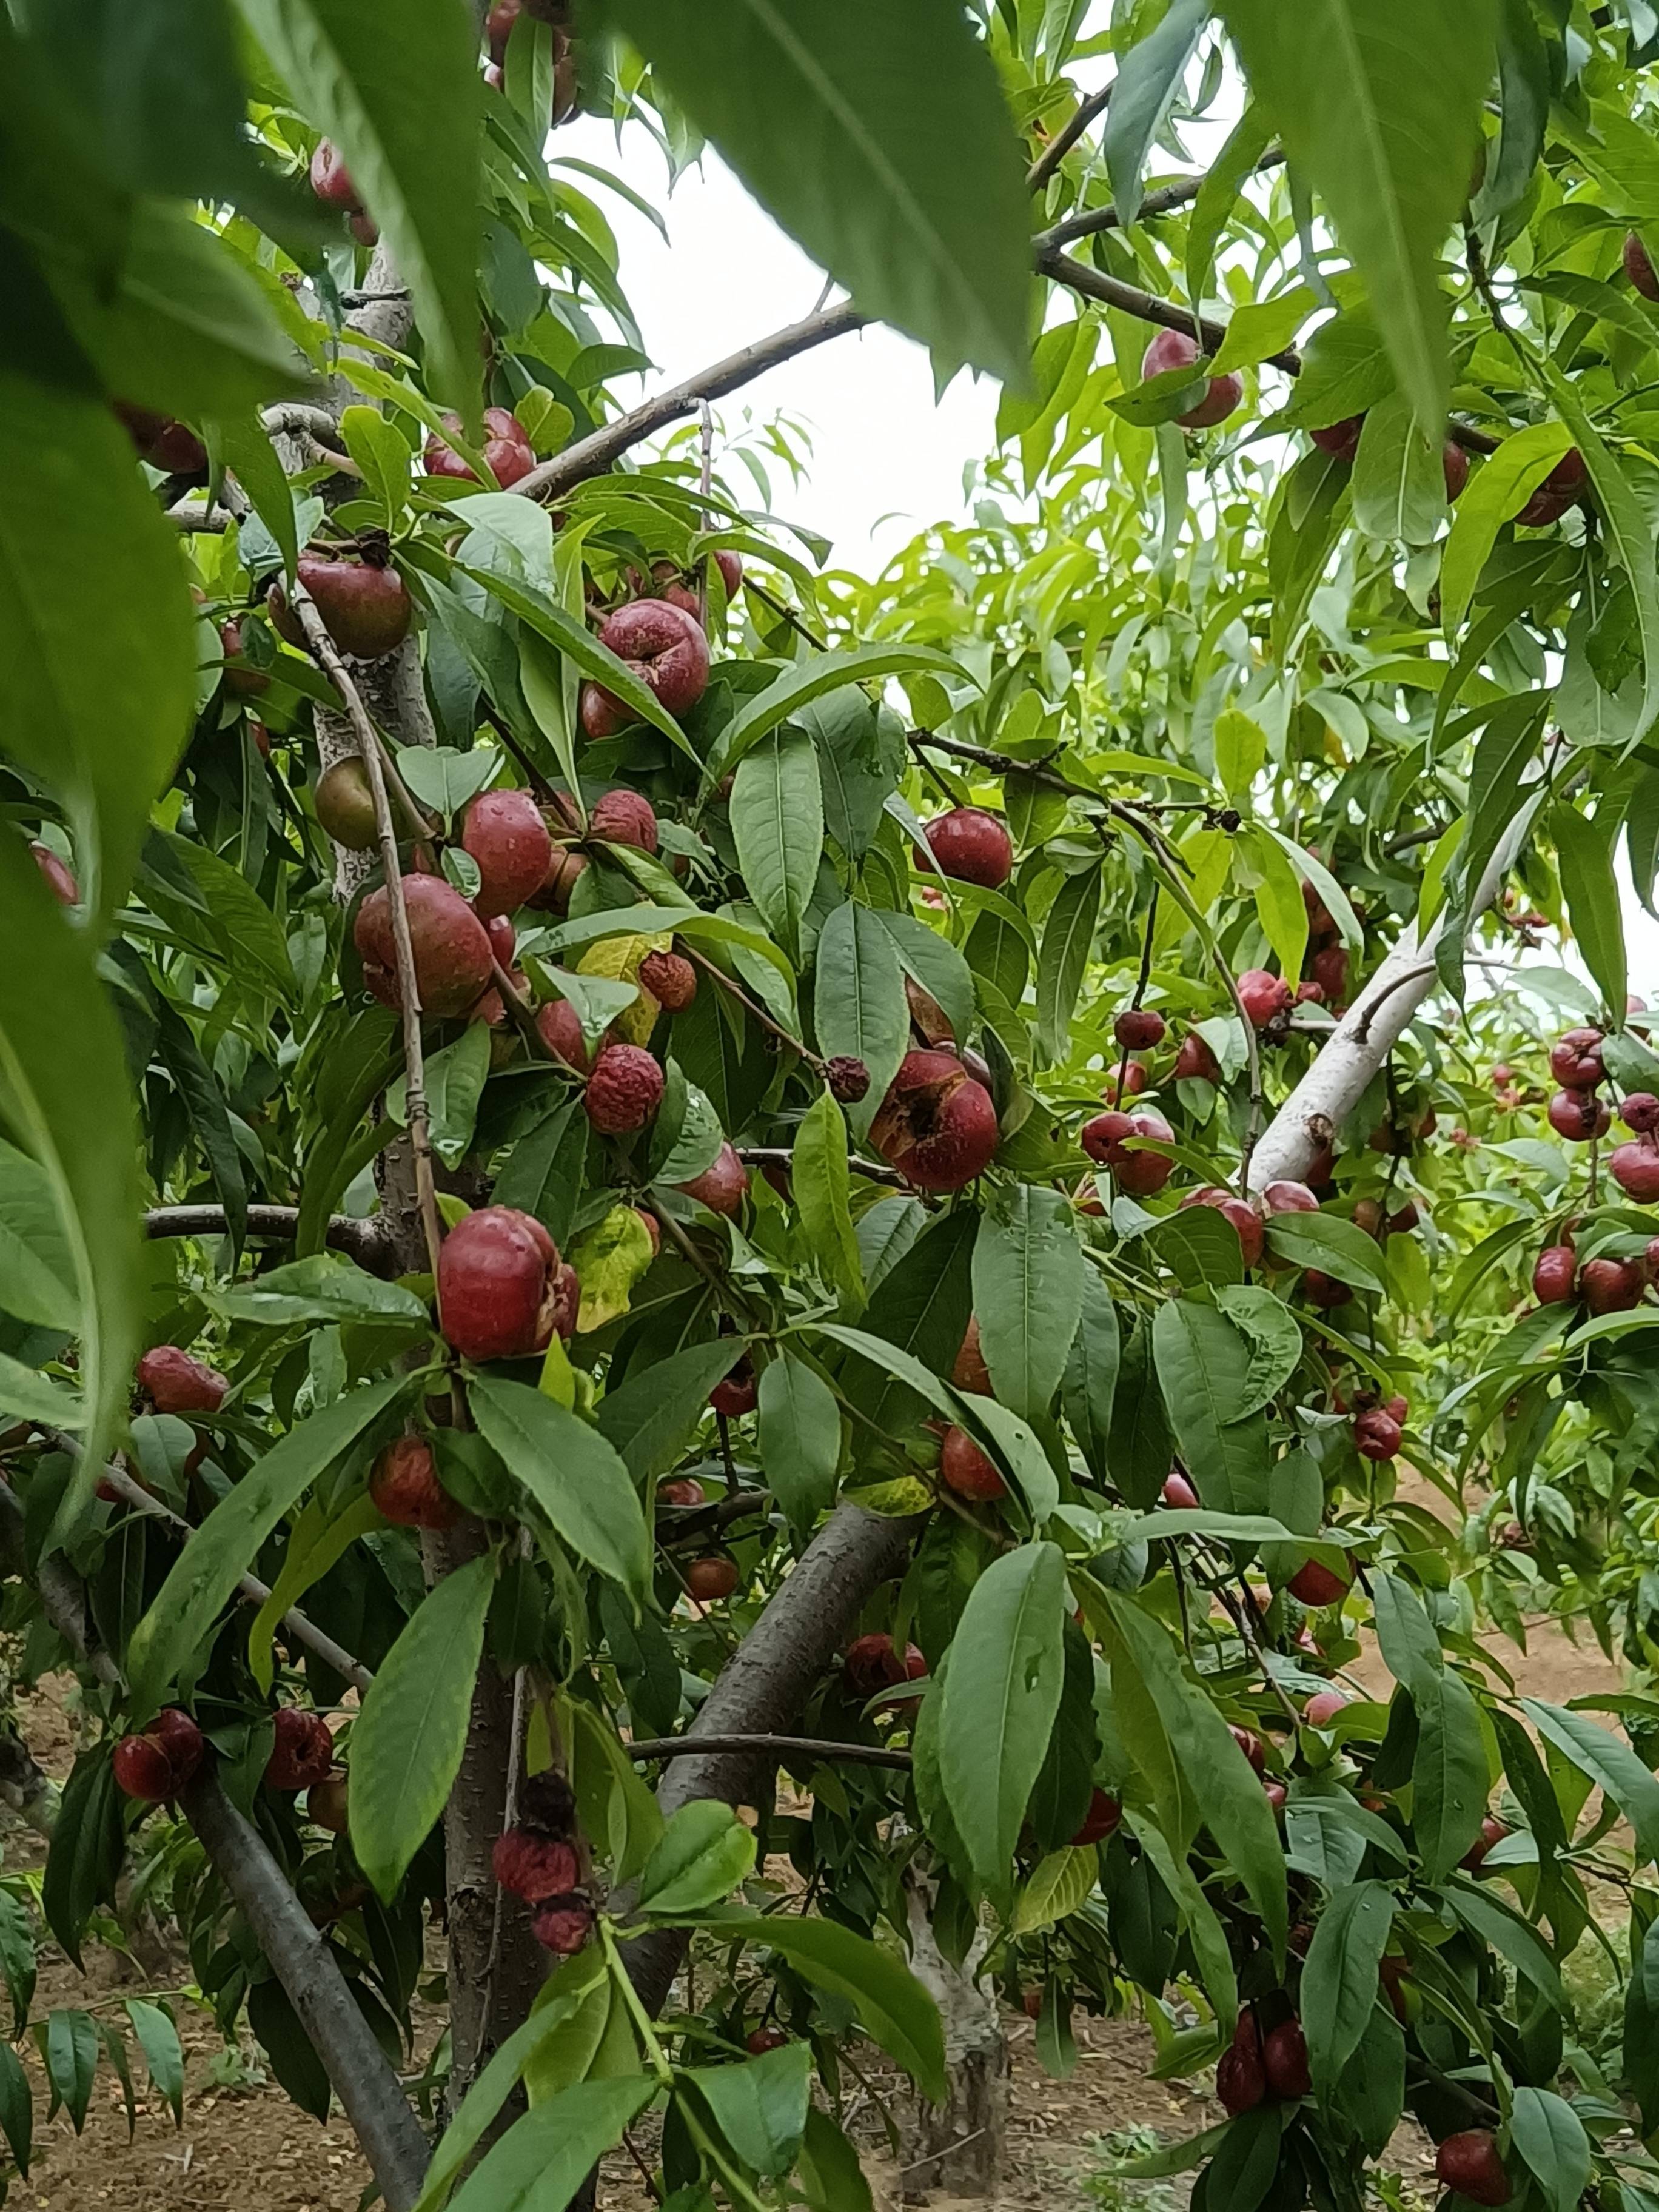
628	1158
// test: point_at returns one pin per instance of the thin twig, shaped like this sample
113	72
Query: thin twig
1164	200
768	600
779	1156
538	782
753	1006
803	1747
1067	136
328	658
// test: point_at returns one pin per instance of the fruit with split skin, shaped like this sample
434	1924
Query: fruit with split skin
498	1284
1561	489
738	1393
1241	2078
1264	996
451	947
664	647
365	608
1576	1059
156	1766
504	833
1635	1168
1377	1435
1579	1116
1173	349
303	1752
936	1125
871	1665
508	451
972	847
1107	1139
622	816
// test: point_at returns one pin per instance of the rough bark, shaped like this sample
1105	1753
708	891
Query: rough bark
956	2145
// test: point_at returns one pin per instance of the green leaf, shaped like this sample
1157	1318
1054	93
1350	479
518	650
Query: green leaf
1629	535
1399	477
649	1416
88	1842
935	963
1089	1384
323	1287
1204	1365
1380	110
760	2105
572	1474
1642	2024
821	1182
1517	1940
1333	1245
1028	1278
829	2173
1068	937
895	2008
1449	1780
1261	328
543	2158
158	2039
879	139
1613	1765
70	2049
702	1856
1148	79
382	452
413	154
1058	1886
455	1079
1584	855
408	1742
245	446
16	2108
799	1438
219	1553
1000	1699
1550	2138
1274	1336
804	681
1500	488
1405	1635
859	1010
1279	905
1218	196
777	823
36	1264
17	1958
1340	1977
650	921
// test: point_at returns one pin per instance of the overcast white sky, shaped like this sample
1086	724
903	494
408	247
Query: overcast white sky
887	458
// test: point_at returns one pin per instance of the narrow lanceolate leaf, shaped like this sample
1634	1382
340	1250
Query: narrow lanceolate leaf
542	2161
1449	1780
1500	488
777	823
63	1075
859	1006
1068	936
822	1184
219	1552
407	1744
1584	854
799	1438
1148	81
1609	1763
879	138
1000	1697
1028	1293
574	1476
1340	1977
799	685
413	155
1380	107
1204	1366
1629	534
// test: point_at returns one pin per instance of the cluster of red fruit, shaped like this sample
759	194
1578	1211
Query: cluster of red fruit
1605	1285
1256	2066
537	1859
1326	981
1575	1112
498	28
1563	488
1378	1428
154	1766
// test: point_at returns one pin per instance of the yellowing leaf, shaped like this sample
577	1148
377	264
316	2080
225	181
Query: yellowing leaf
609	1259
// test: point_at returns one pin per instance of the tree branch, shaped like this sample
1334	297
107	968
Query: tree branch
1164	200
779	1156
1094	284
381	2114
773	1747
1067	136
368	1242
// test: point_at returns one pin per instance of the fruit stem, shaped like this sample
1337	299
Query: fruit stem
327	655
538	782
805	1746
753	1006
779	1156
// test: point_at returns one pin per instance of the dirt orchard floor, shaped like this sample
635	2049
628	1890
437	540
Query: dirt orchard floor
244	2148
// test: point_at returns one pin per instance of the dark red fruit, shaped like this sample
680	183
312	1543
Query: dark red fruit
683	1491
1555	1275
1640	1112
167	445
625	817
1195	1062
1339	439
1263	997
1376	1437
504	833
1141	1173
760	2040
1576	1059
1635	1168
1100	1820
936	1125
848	1080
964	1469
1455	467
58	877
1177	1493
1172	349
872	1665
970	1372
1244	1219
1491	1832
1138	1028
1289	1198
365	610
738	1393
1638	267
1469	2164
534	1866
625	1090
506	450
1330	969
498	1284
1578	1115
665	648
1251	1745
1325	1290
711	1579
182	1740
175	1383
450	944
670	979
1284	2060
404	1483
563	1926
142	1769
1315	1583
1611	1286
303	1752
1559	490
561	1031
721	1186
972	847
247	682
1241	2080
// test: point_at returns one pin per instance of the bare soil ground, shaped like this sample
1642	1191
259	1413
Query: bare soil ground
245	2149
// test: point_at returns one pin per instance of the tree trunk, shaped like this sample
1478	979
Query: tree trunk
956	2145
